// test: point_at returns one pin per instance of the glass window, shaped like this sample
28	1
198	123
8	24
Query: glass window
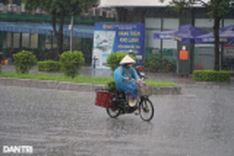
77	42
170	23
153	23
228	22
170	44
25	40
16	40
204	56
66	43
150	41
203	23
9	39
48	43
34	41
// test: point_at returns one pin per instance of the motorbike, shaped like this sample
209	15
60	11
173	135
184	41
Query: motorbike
116	103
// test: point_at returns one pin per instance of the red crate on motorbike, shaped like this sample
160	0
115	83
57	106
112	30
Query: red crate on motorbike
103	99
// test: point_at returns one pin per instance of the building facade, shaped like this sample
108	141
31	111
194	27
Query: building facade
158	18
13	40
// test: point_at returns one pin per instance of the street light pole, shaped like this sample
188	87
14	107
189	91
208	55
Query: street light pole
71	33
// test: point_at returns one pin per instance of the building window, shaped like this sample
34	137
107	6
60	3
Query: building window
25	40
228	22
170	23
152	25
9	38
204	24
34	41
16	40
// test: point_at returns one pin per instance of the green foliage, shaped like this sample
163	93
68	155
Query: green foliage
114	59
156	64
60	7
211	75
71	63
0	68
24	61
154	83
78	79
59	10
217	8
112	87
48	66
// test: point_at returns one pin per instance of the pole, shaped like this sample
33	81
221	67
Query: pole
71	33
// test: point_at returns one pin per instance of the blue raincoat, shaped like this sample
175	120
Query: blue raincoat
126	86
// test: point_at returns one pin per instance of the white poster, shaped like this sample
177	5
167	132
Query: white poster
102	46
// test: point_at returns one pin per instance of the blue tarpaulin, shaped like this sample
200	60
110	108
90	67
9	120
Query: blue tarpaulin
226	35
82	31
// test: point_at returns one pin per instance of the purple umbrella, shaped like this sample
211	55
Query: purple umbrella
165	34
226	35
185	34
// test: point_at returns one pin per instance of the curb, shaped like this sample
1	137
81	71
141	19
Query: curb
47	84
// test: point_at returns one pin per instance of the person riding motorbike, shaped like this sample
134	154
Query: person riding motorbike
127	79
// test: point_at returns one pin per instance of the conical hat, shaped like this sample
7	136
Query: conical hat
127	59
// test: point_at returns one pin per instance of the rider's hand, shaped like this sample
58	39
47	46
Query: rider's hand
127	79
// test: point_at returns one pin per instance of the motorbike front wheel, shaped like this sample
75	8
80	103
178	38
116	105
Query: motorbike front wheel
146	110
113	112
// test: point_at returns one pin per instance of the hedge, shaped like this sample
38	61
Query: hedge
48	66
211	75
71	62
24	61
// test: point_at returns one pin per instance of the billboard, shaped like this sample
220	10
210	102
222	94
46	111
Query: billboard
117	37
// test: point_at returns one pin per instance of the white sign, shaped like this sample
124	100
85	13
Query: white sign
18	149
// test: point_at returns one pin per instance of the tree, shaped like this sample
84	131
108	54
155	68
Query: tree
59	10
216	10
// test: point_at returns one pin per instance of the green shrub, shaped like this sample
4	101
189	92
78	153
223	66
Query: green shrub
24	61
114	59
157	64
211	75
0	68
112	87
48	66
71	63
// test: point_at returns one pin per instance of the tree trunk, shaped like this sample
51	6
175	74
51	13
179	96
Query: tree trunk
58	35
55	53
216	36
192	45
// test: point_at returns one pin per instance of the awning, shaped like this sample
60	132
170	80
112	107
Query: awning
138	3
82	31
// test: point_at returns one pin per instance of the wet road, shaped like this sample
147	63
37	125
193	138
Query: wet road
64	123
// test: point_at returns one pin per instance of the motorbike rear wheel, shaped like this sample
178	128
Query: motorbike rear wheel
113	112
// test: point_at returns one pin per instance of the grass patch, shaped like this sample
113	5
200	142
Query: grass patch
78	79
160	83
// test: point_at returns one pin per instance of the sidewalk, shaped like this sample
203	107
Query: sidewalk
44	84
172	77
